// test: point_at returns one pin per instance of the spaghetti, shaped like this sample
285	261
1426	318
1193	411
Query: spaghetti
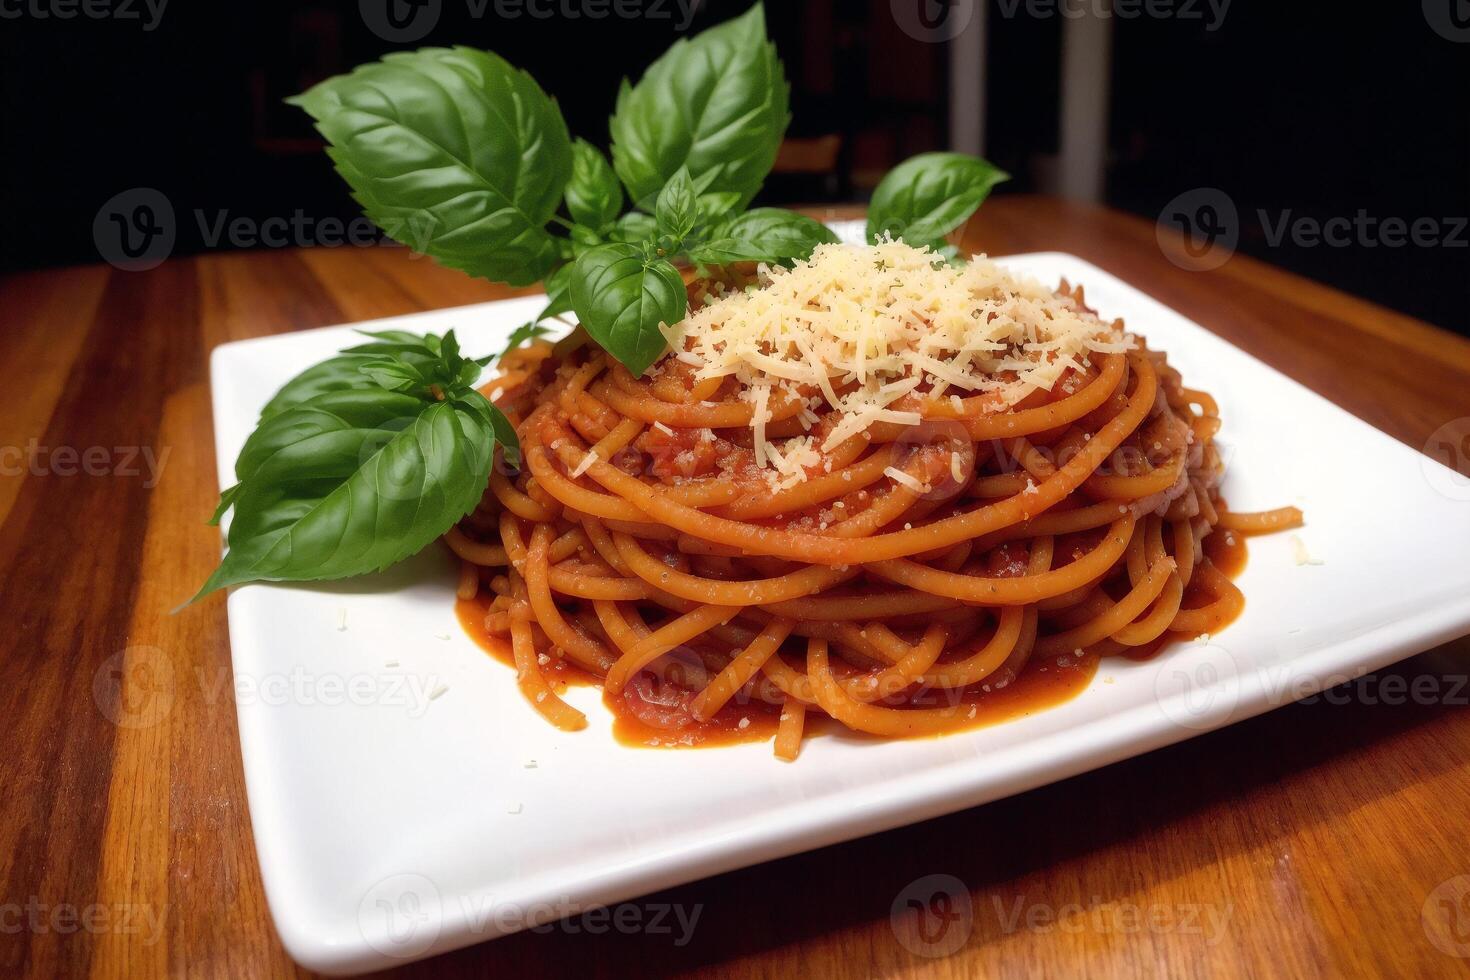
968	537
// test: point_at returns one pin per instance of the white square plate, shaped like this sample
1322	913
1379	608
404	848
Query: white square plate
393	825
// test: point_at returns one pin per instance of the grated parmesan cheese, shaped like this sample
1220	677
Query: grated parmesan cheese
1301	554
903	479
585	464
871	330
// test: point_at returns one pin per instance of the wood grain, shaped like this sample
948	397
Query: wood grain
1303	843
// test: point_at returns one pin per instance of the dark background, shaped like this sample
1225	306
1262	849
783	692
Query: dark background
1320	110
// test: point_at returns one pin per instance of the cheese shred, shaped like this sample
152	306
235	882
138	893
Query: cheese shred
871	330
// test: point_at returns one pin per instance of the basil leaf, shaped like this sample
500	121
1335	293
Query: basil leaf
764	235
330	412
405	361
717	103
395	375
357	498
677	208
505	432
455	153
621	296
345	370
384	339
583	238
351	480
594	196
340	373
926	197
635	226
716	204
226	501
724	251
404	357
558	293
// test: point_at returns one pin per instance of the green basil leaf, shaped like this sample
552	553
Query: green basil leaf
594	196
926	197
345	370
373	465
635	226
677	208
384	340
453	152
764	235
397	375
357	498
620	296
448	346
715	205
724	251
332	411
405	361
226	501
340	373
583	238
505	432
717	103
558	293
394	360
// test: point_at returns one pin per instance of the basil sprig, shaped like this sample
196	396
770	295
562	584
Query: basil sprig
594	196
926	197
367	457
463	157
717	104
622	293
351	471
453	152
676	211
763	235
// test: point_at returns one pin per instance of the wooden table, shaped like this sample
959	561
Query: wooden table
1304	842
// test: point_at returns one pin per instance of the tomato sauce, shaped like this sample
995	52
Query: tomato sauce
1226	550
650	713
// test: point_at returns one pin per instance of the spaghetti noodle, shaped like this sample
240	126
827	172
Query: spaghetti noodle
910	571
